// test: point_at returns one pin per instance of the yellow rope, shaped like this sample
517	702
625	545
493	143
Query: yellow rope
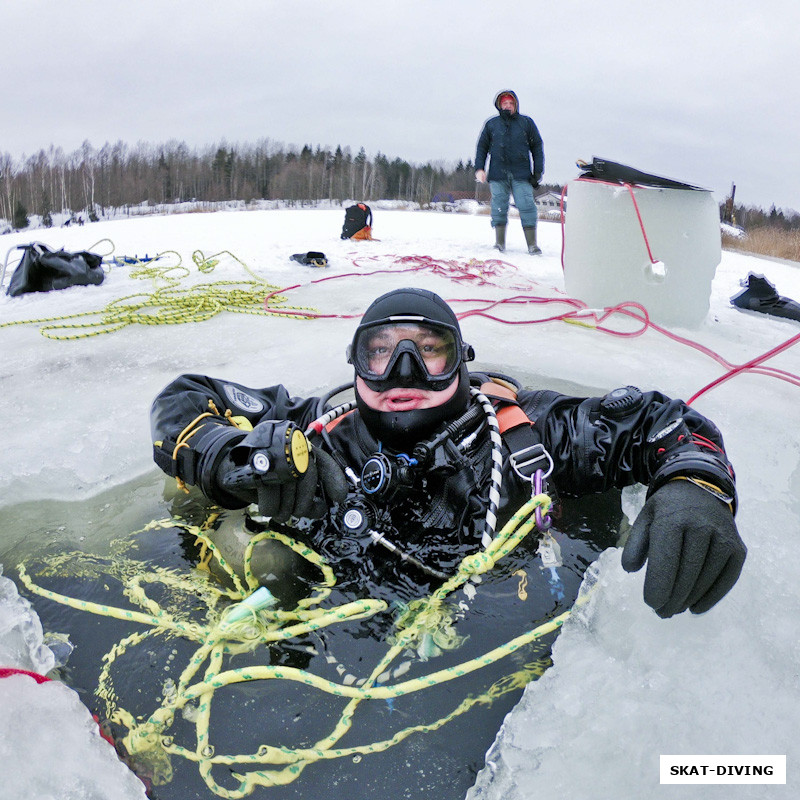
148	739
168	304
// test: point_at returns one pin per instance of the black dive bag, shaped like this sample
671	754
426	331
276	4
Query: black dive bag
42	269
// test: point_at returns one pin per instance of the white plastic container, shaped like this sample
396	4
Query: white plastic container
606	257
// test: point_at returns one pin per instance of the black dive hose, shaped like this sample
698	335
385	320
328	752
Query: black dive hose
423	450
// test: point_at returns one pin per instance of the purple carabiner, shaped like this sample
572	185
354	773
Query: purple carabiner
543	521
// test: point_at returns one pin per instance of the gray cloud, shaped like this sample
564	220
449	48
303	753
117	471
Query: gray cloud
705	92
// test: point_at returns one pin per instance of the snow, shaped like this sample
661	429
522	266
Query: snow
626	686
732	230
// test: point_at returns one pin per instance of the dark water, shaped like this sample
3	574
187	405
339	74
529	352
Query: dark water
105	545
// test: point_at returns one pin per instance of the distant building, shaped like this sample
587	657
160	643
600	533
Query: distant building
549	201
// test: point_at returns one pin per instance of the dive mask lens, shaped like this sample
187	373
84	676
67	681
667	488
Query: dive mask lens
381	349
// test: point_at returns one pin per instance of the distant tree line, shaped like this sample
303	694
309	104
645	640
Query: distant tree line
90	180
751	218
118	175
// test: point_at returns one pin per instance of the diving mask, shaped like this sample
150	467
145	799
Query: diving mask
408	350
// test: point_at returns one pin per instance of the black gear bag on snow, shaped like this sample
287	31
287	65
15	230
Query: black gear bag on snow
42	269
357	222
760	295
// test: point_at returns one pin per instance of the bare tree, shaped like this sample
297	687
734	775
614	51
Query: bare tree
122	175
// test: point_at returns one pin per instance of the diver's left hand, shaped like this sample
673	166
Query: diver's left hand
693	551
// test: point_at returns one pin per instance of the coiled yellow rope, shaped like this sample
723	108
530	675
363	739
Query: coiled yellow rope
148	740
168	303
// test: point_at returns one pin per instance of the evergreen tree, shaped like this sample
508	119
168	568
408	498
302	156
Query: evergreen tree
20	219
47	218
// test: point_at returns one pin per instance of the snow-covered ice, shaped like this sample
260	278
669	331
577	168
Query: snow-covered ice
626	686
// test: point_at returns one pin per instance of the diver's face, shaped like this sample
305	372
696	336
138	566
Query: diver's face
403	399
434	353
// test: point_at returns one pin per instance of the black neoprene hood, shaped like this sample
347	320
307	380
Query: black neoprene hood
399	429
413	302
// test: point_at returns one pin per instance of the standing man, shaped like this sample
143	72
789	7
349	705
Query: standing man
510	140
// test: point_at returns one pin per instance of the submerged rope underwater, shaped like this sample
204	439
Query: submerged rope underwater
148	740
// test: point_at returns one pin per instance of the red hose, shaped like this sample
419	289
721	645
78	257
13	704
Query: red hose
629	187
577	310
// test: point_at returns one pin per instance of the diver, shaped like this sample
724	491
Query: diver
429	459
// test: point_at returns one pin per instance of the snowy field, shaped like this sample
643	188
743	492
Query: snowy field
626	686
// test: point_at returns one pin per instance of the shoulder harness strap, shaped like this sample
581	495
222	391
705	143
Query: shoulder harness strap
517	428
509	413
336	420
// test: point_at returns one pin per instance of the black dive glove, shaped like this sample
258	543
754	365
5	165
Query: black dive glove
274	466
693	550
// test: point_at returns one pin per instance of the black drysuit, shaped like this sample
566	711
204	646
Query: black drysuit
595	443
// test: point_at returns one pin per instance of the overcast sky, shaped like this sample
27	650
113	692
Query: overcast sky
704	91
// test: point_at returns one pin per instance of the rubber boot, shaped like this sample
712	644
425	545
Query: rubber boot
500	238
530	238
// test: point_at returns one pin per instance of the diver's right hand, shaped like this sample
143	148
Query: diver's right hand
694	553
275	467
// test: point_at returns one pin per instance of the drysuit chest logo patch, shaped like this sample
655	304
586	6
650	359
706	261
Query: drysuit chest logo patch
243	400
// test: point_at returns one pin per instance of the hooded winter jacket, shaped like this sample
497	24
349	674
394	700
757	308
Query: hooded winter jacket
509	140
